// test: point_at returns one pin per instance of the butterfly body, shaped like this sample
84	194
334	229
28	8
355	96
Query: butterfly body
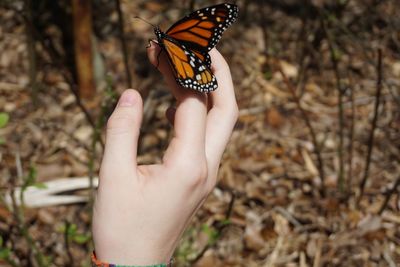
188	41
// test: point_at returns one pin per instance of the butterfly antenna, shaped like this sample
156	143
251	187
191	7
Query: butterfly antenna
137	17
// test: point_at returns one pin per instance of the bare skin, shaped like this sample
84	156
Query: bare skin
141	211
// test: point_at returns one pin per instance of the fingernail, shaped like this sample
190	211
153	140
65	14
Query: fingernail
126	100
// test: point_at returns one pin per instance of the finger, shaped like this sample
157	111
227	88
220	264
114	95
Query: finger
123	129
224	96
223	113
190	115
159	59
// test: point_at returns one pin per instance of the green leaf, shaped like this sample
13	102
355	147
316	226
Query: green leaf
86	264
4	253
226	222
210	232
72	229
30	179
1	241
332	17
337	54
40	185
61	229
4	118
81	238
2	140
268	75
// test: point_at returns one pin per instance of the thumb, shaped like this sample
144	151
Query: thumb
123	128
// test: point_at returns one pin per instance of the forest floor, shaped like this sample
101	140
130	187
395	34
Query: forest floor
290	184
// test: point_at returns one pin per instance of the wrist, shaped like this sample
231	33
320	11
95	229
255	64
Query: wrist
99	263
131	247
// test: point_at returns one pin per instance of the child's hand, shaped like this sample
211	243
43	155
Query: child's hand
140	212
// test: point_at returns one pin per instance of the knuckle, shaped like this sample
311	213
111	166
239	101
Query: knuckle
235	111
118	124
231	112
193	173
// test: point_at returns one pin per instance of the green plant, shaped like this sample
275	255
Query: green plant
72	233
4	118
211	232
4	252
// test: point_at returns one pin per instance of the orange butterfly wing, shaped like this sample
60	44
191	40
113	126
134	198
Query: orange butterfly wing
202	29
188	41
190	71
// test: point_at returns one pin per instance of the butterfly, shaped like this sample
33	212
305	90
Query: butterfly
188	41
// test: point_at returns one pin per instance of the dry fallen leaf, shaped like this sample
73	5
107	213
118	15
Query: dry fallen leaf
273	118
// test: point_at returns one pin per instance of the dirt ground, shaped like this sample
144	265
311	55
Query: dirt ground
309	86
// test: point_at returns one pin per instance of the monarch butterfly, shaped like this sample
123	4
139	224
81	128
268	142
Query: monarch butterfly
188	41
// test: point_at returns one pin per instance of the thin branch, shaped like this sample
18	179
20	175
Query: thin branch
389	195
96	137
373	127
191	5
307	121
65	72
35	255
78	101
351	140
219	228
67	243
340	90
31	50
123	43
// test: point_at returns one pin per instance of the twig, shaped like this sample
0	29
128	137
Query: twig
389	195
96	137
72	137
351	141
374	122
340	90
393	94
307	121
230	206
220	227
388	258
317	257
123	43
303	56
31	50
273	257
67	243
35	255
288	216
81	106
191	5
353	35
65	72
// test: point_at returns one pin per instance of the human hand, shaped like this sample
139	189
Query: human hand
141	211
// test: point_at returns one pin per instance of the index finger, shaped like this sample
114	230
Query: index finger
223	113
190	117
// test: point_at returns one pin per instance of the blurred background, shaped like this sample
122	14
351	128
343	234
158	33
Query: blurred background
311	175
